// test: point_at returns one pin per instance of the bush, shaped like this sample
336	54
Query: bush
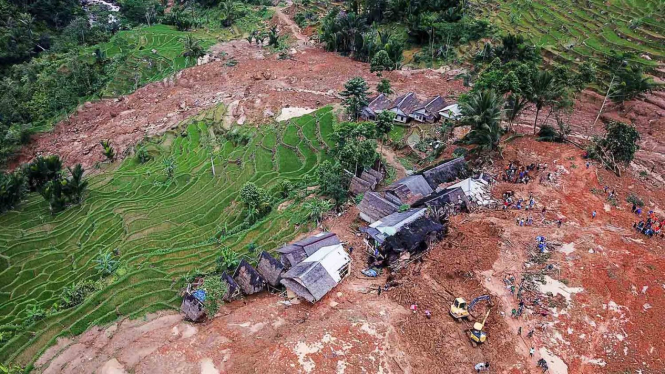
76	293
634	199
12	190
215	289
142	155
459	152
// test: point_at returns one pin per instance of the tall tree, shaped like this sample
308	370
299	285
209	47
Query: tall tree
543	90
384	87
355	96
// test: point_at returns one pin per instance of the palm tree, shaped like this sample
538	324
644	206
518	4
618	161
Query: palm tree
76	185
192	47
482	111
228	12
107	149
542	92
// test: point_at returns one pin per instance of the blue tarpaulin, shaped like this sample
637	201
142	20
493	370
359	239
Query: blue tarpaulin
200	295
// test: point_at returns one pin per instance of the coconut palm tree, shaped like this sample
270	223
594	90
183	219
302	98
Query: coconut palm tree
76	185
482	111
542	91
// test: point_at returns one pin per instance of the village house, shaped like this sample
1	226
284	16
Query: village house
313	277
294	253
406	107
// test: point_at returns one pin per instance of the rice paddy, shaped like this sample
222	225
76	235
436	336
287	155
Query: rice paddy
574	31
163	229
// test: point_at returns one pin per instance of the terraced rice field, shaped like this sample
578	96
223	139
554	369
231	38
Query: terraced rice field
162	229
152	53
576	30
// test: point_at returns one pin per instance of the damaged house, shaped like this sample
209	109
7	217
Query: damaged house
320	272
476	191
367	181
390	225
445	172
270	269
413	239
248	279
294	253
408	190
406	107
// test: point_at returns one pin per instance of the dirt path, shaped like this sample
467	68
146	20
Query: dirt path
302	39
391	159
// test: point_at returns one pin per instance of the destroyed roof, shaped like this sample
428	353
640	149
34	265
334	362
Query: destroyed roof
440	198
374	207
475	189
318	274
447	171
296	252
270	269
192	308
416	185
248	279
392	224
358	186
413	236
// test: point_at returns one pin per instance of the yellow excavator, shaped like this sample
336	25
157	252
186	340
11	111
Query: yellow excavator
477	335
459	309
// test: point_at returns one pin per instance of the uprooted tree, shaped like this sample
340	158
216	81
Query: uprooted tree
617	149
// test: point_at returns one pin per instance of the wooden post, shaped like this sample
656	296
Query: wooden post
604	101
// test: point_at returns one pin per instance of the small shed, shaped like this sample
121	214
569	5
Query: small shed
270	269
319	273
294	253
248	279
445	172
373	207
192	305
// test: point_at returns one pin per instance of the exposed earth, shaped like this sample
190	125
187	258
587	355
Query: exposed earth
601	298
605	293
261	85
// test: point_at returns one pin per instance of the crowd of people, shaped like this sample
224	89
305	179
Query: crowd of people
651	225
520	174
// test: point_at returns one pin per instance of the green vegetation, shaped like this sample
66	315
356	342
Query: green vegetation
617	148
355	96
52	61
570	32
146	231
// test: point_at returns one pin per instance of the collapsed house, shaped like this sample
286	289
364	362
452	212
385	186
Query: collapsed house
248	279
412	240
294	253
367	181
445	202
445	172
406	107
313	277
476	190
390	225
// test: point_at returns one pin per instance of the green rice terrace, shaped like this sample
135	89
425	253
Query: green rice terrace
575	30
163	229
152	53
